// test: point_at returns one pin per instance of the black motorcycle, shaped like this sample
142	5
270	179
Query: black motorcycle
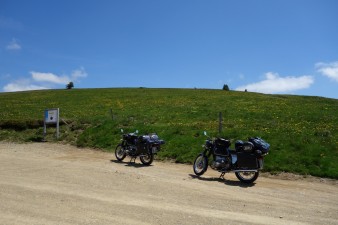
246	160
133	145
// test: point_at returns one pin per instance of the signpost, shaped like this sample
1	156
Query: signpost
51	117
220	119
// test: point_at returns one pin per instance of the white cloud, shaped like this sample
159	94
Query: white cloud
50	78
79	73
22	85
13	45
40	80
273	83
328	69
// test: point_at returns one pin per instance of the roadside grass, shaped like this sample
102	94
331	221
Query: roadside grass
302	130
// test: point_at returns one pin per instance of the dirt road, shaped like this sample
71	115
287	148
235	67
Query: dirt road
44	183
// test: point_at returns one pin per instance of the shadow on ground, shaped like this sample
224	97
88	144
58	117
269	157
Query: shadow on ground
226	182
130	163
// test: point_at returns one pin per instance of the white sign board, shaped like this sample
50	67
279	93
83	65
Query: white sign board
51	116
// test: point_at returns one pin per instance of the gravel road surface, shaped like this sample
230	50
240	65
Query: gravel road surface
47	183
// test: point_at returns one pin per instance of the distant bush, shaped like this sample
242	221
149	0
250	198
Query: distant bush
70	85
225	87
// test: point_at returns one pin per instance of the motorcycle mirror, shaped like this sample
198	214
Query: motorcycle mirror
136	131
121	130
205	133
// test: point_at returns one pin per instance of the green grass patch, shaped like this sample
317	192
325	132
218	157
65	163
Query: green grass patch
302	130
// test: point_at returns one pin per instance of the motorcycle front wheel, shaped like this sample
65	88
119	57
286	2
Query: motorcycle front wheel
120	154
247	177
200	165
147	159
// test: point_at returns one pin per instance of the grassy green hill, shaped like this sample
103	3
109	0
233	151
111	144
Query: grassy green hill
302	130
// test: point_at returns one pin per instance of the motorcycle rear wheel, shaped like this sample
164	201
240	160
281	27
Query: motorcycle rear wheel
120	154
147	159
247	177
200	165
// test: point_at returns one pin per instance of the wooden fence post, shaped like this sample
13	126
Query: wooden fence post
220	123
111	113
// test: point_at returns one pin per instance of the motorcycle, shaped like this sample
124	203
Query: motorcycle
133	145
246	160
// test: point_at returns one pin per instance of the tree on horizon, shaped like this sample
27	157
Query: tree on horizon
226	87
70	85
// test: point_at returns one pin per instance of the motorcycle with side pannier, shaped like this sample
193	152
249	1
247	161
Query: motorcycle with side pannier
246	160
134	145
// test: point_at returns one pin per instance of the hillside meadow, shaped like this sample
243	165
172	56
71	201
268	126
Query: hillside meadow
302	130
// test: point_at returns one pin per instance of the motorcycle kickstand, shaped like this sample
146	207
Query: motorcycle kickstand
131	159
222	176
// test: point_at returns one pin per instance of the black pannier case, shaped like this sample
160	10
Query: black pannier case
247	161
246	146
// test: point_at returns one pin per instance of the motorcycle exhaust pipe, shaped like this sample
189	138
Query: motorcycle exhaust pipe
245	170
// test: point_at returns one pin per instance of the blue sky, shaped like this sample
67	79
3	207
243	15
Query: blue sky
267	46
